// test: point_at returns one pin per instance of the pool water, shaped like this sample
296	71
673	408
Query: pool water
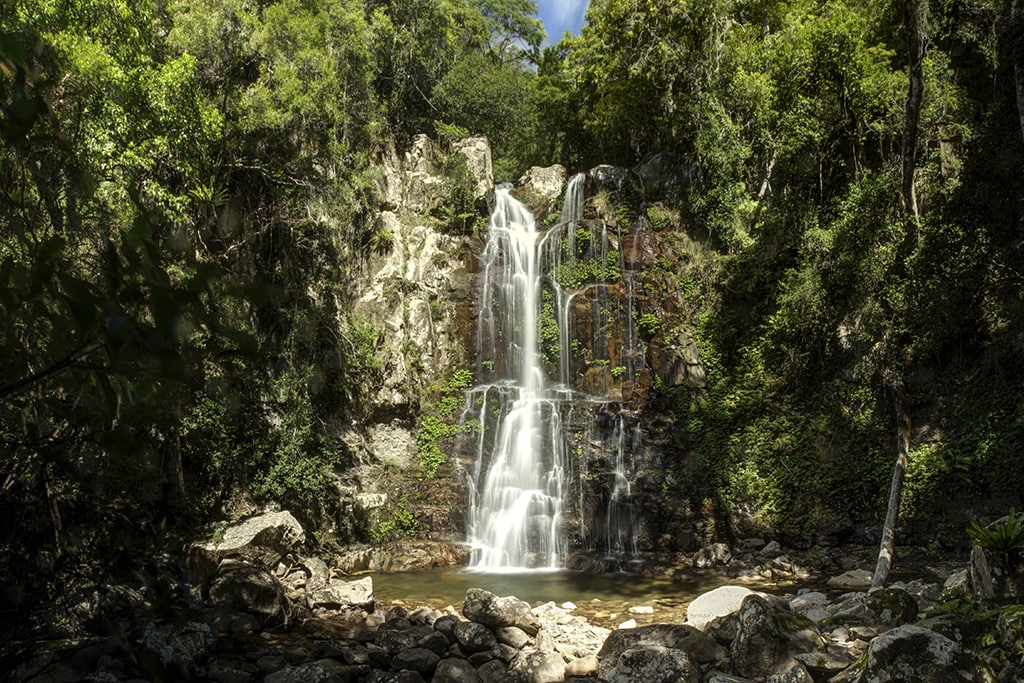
604	599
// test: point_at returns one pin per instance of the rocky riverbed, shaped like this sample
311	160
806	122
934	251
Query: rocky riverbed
253	608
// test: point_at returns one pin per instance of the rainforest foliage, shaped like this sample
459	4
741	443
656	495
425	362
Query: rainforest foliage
187	187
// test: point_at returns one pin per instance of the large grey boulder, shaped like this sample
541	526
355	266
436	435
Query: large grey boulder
250	588
669	636
714	555
339	594
484	607
852	580
654	664
910	653
417	659
884	608
473	637
268	537
534	666
715	603
541	189
768	635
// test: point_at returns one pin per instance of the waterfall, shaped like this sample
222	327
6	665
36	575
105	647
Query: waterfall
516	499
520	490
621	524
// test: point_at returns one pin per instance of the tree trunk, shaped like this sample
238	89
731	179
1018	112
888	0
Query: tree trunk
1017	48
915	21
885	550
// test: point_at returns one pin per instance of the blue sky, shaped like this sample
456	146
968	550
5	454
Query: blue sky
560	16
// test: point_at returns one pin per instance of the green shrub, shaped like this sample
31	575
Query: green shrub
1005	538
402	522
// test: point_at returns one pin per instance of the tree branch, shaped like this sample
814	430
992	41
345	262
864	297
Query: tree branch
63	363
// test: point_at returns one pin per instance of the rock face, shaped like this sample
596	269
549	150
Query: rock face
542	189
477	153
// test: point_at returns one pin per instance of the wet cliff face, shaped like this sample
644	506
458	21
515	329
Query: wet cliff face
613	338
626	349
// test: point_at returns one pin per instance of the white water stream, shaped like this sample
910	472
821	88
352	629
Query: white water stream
516	501
520	479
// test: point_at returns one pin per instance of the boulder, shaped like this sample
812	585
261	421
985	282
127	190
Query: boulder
180	646
702	648
722	677
768	635
486	608
541	189
338	594
445	625
793	672
807	601
957	585
585	666
910	653
250	588
654	664
883	608
268	536
713	555
981	574
320	671
452	670
852	580
715	603
535	666
473	637
417	659
512	636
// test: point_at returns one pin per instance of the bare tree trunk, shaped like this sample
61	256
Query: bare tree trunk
915	21
886	549
1017	30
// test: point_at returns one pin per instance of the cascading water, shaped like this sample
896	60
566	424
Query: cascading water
515	515
570	276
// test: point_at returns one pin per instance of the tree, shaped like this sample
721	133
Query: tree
498	100
1017	29
915	18
888	542
516	32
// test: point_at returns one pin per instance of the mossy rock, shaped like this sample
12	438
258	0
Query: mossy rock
899	603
